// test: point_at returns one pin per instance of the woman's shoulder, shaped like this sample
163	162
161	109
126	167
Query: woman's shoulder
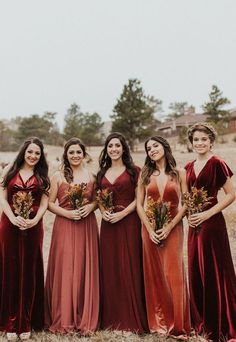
189	164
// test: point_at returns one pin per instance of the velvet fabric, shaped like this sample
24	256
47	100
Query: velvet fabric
212	280
123	300
21	266
164	275
72	284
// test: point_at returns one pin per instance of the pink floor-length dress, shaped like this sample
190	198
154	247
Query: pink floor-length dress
164	275
72	282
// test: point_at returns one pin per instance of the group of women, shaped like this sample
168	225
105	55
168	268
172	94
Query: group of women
130	277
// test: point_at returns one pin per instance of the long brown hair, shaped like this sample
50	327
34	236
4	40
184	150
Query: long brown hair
40	169
150	166
66	168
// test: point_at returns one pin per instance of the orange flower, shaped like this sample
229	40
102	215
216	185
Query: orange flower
22	203
76	195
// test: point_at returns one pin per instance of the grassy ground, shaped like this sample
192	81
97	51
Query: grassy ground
227	152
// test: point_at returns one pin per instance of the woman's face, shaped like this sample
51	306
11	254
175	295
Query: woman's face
201	142
115	149
32	154
75	155
155	150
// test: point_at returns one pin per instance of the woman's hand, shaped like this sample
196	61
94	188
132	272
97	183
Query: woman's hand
153	236
197	219
86	209
30	223
116	217
106	215
19	221
163	233
73	215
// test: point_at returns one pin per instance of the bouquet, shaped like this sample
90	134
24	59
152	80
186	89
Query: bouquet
22	203
196	201
76	195
105	199
158	213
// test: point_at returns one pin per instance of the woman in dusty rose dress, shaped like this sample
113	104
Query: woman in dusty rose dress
72	283
122	289
212	281
21	238
164	276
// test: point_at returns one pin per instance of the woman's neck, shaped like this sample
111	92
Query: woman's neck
161	165
25	167
117	163
204	157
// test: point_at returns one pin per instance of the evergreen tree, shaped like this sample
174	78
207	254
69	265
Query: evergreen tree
177	109
134	113
73	122
91	132
214	108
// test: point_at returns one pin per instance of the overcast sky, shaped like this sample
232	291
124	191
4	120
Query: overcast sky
56	52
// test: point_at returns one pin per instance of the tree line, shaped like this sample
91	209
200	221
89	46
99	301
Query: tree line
135	114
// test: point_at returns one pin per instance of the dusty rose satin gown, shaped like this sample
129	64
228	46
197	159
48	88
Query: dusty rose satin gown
164	275
212	280
123	300
21	266
72	283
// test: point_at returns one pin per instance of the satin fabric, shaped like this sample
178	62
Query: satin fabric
212	278
21	266
72	284
122	288
164	275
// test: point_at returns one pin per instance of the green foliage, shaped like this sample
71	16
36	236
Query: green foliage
177	109
6	137
214	108
134	113
84	126
44	127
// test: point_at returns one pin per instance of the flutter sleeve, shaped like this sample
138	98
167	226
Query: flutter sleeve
222	173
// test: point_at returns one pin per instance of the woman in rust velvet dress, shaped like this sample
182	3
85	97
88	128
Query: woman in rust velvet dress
164	275
21	261
72	283
212	280
122	289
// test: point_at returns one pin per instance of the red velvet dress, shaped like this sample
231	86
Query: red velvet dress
21	266
123	300
212	280
164	275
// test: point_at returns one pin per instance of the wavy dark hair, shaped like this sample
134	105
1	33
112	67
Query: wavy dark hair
105	160
149	167
40	169
66	168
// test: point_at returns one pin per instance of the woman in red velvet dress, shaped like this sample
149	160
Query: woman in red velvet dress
21	262
122	289
72	283
212	280
164	275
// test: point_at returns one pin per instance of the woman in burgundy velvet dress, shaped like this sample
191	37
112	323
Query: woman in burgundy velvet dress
122	289
21	262
212	280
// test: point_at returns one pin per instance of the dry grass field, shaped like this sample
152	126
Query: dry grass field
225	151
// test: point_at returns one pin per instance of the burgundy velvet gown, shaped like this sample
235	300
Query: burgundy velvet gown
21	266
72	284
164	274
123	299
212	280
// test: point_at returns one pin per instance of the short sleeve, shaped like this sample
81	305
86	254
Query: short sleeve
222	173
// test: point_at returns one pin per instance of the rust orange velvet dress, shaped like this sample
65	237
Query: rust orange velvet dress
123	299
21	266
212	280
72	285
164	275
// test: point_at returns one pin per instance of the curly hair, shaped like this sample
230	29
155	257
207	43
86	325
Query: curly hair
105	160
66	168
150	166
204	127
40	169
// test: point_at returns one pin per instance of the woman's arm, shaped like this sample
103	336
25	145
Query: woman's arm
142	214
41	210
115	217
15	220
197	219
56	209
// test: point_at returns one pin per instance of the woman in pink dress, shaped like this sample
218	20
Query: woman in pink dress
21	237
212	281
72	282
164	276
122	290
